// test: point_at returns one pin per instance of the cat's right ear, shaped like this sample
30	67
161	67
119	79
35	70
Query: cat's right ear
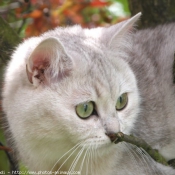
48	62
118	34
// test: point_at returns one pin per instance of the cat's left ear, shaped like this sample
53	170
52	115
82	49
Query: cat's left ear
119	32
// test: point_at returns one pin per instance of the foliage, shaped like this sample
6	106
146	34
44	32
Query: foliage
33	17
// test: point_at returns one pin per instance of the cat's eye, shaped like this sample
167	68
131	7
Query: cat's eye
122	101
84	110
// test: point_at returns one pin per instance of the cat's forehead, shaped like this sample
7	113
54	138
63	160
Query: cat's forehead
95	70
76	37
98	81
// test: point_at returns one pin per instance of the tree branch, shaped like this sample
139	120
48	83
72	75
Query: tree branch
120	137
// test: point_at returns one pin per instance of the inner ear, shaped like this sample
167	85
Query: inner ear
48	59
37	65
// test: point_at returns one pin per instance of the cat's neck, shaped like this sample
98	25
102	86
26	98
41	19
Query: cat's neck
87	164
83	161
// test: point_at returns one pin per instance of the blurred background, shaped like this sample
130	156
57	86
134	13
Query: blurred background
33	17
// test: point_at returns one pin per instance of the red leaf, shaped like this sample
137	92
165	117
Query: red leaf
98	3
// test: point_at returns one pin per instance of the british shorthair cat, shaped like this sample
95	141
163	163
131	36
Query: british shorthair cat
66	91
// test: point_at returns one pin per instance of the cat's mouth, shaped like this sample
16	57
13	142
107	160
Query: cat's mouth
97	142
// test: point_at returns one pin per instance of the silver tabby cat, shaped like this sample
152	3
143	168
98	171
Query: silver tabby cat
66	91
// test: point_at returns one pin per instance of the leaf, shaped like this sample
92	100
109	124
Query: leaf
99	3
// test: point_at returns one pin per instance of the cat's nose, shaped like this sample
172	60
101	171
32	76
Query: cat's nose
111	135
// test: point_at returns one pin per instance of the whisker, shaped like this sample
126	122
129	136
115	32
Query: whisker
149	159
69	156
81	167
142	155
74	147
91	150
74	163
95	151
133	156
139	157
147	162
87	163
88	157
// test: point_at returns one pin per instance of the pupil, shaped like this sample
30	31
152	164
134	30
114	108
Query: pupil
121	100
85	107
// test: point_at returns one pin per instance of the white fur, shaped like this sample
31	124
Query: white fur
42	117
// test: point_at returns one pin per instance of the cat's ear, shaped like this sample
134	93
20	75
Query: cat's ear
48	62
119	32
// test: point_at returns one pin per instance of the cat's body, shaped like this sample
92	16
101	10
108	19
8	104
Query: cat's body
68	67
154	48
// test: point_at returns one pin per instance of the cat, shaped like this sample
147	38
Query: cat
67	91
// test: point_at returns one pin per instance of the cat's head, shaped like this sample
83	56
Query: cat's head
78	87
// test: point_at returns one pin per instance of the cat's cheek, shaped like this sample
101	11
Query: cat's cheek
127	120
91	124
91	130
129	115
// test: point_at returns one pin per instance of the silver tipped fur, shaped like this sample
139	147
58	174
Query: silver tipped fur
49	75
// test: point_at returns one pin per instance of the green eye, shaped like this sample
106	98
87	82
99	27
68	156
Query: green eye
84	110
122	101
